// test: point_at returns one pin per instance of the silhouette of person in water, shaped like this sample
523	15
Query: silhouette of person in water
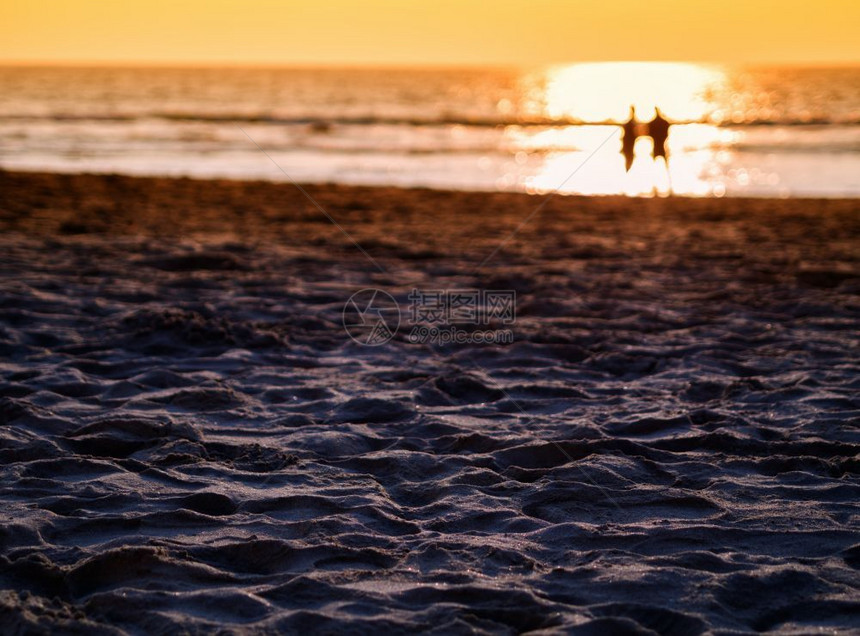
658	130
628	139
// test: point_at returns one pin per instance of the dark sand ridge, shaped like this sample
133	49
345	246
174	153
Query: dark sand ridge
188	439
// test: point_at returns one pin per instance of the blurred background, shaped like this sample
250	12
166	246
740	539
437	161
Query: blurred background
447	95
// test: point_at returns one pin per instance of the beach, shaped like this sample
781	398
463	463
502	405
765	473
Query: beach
192	441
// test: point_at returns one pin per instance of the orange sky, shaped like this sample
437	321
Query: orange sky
437	32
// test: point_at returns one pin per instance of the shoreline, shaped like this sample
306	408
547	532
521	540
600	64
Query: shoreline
350	197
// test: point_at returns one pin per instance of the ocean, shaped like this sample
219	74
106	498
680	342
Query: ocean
785	132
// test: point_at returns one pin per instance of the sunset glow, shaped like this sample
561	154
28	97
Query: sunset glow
460	32
600	91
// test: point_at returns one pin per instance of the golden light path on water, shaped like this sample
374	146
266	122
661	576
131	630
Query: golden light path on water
604	92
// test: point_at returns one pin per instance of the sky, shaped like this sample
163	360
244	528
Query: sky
428	32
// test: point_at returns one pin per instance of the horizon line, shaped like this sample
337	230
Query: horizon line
347	65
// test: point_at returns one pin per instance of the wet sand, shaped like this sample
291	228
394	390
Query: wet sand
189	439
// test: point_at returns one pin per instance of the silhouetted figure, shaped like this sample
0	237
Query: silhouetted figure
628	138
658	130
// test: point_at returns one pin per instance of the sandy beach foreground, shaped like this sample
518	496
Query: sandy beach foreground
189	438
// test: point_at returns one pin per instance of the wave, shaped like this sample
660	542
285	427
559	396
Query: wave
479	150
323	123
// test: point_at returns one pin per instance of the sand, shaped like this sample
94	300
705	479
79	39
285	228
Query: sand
189	440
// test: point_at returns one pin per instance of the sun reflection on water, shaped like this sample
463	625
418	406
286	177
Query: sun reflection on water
600	94
604	91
